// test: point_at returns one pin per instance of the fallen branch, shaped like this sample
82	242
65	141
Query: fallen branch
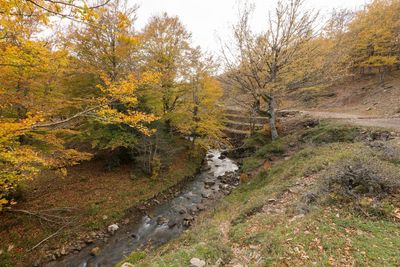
46	216
47	238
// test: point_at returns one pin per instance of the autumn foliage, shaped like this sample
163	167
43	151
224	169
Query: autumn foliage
101	81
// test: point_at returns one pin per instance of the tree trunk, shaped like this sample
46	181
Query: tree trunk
271	110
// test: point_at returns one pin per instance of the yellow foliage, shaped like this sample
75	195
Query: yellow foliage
124	92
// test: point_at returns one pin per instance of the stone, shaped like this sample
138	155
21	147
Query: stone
89	241
224	153
161	220
36	263
63	252
95	251
188	217
182	211
205	195
112	228
201	207
172	224
209	182
127	264
125	222
196	262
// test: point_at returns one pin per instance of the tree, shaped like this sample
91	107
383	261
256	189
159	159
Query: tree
260	65
107	44
375	37
36	113
165	50
200	116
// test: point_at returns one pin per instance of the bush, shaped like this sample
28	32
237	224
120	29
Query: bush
362	183
387	151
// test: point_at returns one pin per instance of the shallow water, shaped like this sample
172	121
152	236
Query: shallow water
160	224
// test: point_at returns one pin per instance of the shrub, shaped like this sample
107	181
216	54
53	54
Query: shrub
387	151
362	183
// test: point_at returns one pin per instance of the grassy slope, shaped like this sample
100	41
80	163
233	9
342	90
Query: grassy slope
100	198
259	223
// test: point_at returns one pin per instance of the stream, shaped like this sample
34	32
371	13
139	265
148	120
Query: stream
165	221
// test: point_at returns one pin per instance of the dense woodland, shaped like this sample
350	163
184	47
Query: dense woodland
76	74
99	82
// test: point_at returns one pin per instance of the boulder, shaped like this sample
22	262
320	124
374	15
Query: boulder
127	264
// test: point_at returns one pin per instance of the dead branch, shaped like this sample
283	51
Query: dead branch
50	236
46	215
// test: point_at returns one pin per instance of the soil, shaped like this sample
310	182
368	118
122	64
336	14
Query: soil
363	96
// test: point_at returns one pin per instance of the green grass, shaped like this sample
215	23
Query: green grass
331	133
327	235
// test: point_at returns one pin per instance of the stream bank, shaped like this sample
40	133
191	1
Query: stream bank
163	222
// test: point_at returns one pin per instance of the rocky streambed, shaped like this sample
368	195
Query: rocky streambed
163	222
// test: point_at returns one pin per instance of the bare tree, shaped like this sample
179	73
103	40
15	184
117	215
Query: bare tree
262	64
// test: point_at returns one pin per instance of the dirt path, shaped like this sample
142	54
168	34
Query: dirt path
392	123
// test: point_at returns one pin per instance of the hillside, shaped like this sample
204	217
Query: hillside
325	194
363	95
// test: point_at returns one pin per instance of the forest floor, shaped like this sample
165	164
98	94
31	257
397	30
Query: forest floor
87	200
